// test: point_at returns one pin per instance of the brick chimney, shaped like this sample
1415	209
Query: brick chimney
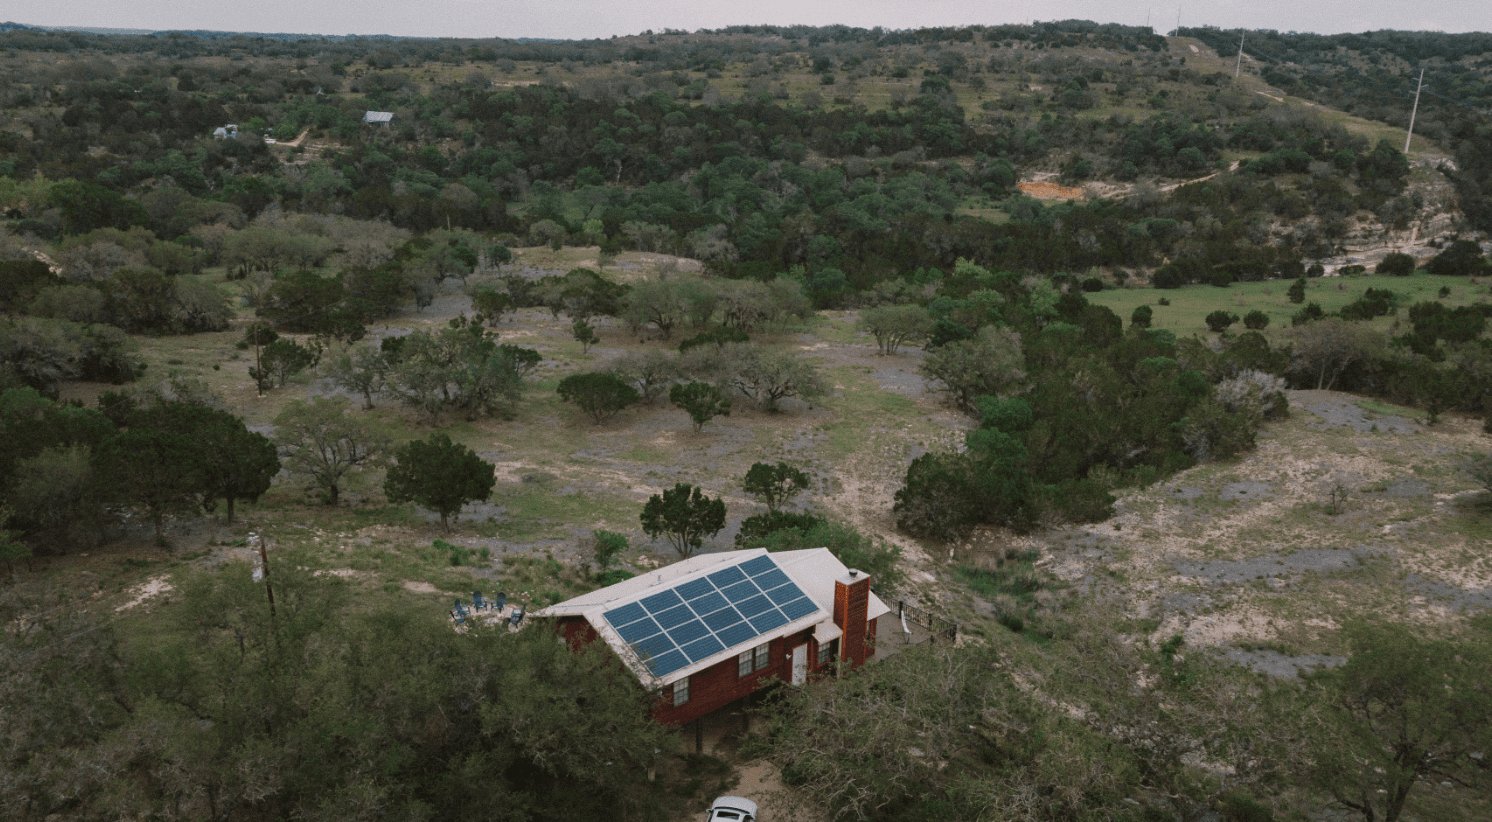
851	604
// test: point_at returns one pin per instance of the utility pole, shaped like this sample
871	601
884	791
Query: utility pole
269	590
1239	65
1414	111
258	368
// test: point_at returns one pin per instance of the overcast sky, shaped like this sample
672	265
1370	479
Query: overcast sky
578	19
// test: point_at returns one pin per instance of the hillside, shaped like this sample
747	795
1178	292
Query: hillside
1167	385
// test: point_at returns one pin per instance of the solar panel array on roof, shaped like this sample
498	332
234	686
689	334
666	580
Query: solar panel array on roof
702	617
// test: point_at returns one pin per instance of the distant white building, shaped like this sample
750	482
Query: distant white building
379	118
228	132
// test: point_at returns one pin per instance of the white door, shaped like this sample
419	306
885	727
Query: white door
800	664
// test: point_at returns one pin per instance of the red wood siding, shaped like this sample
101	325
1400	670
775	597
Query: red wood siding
719	685
577	632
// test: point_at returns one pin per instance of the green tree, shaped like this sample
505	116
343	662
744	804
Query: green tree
1219	320
1141	316
1403	709
775	485
364	369
1325	348
606	547
1297	291
302	301
322	442
460	367
279	361
440	475
60	493
659	302
1256	320
991	364
328	702
896	325
597	394
236	463
684	516
584	333
491	305
768	377
12	547
1459	259
154	470
939	499
1395	264
702	401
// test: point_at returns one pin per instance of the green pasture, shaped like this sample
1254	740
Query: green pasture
1190	305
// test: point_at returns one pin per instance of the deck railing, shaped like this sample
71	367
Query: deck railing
939	629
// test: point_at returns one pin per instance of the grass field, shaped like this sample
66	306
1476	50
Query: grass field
1191	304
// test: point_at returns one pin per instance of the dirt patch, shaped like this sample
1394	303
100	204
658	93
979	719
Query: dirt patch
1050	191
761	782
147	590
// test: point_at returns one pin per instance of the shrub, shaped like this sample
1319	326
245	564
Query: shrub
605	546
1220	320
1256	320
1460	258
763	525
1168	276
599	395
1312	311
1396	265
1141	317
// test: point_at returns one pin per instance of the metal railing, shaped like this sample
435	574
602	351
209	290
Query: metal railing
937	628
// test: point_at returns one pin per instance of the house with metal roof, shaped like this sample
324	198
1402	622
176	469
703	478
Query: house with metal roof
378	118
714	628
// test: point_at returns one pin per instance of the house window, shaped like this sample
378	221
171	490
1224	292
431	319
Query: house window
748	662
827	651
681	692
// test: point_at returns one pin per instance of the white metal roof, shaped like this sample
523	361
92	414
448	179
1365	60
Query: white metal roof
378	117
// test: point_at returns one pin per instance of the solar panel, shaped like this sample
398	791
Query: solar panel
799	608
640	629
707	604
625	614
702	617
760	565
784	593
722	619
771	579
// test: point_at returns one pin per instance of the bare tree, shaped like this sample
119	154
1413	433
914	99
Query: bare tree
1325	348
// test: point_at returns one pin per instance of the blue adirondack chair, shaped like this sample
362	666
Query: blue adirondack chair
458	617
479	602
517	616
461	609
500	601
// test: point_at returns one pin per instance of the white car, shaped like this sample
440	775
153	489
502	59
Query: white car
731	809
